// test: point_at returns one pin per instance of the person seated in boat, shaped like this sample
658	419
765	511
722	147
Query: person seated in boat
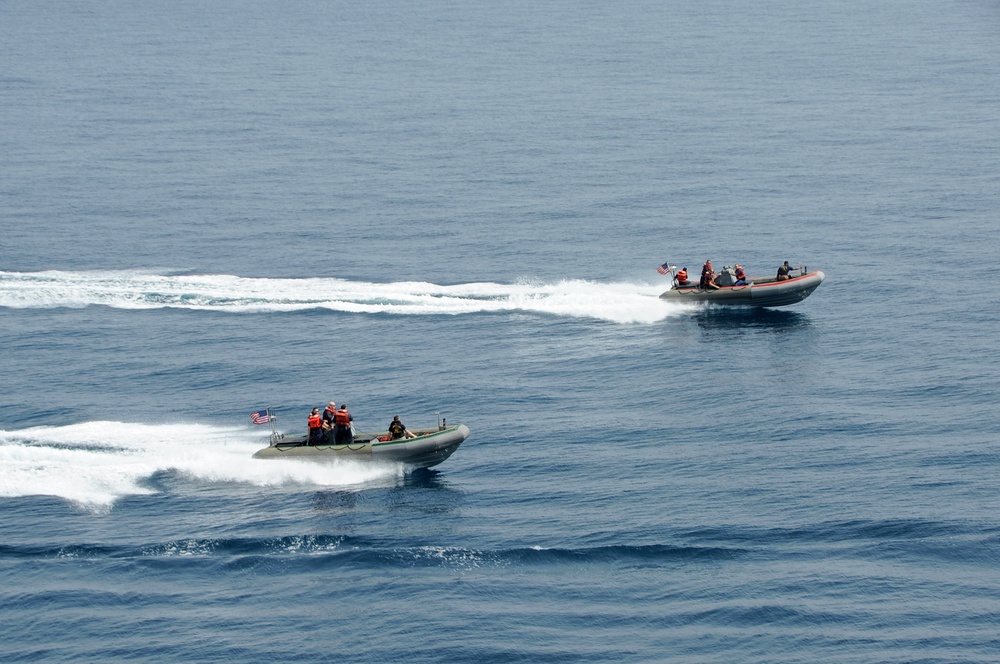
398	430
707	277
315	423
342	433
783	271
681	278
741	276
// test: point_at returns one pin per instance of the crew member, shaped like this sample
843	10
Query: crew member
315	427
783	271
328	416
707	276
342	433
398	430
741	276
682	277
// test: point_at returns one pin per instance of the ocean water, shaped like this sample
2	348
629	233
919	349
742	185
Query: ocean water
455	210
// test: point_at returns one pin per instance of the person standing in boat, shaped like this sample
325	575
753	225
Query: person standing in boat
342	426
707	276
329	414
315	424
398	430
741	276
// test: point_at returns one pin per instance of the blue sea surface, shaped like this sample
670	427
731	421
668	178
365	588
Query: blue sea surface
455	210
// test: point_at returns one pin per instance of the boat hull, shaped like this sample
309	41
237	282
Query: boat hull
760	292
429	448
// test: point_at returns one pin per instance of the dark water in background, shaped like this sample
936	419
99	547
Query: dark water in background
436	207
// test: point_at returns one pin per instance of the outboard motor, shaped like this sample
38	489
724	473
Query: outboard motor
727	277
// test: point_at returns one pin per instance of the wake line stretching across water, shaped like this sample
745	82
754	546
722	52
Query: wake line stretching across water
616	302
372	554
96	463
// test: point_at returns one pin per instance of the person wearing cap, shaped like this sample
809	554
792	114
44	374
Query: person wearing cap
398	430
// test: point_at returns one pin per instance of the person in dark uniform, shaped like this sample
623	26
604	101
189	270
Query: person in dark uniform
328	414
398	430
783	271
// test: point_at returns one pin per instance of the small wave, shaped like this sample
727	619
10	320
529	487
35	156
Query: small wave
962	541
838	531
749	614
615	302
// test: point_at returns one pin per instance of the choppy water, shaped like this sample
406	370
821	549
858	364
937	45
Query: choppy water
457	209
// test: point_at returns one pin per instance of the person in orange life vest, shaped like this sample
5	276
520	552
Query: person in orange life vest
315	427
707	276
328	414
342	426
682	277
741	276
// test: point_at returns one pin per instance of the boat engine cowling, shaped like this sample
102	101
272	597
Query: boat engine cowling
727	277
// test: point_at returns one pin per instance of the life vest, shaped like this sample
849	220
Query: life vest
682	277
342	417
397	429
315	422
740	273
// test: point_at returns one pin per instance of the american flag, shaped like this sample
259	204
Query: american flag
261	417
664	269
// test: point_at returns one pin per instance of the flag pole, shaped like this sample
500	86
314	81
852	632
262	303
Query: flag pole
274	430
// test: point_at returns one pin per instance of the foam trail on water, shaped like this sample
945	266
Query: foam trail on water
96	463
616	302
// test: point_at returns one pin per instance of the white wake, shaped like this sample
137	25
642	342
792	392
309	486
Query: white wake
96	463
615	302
